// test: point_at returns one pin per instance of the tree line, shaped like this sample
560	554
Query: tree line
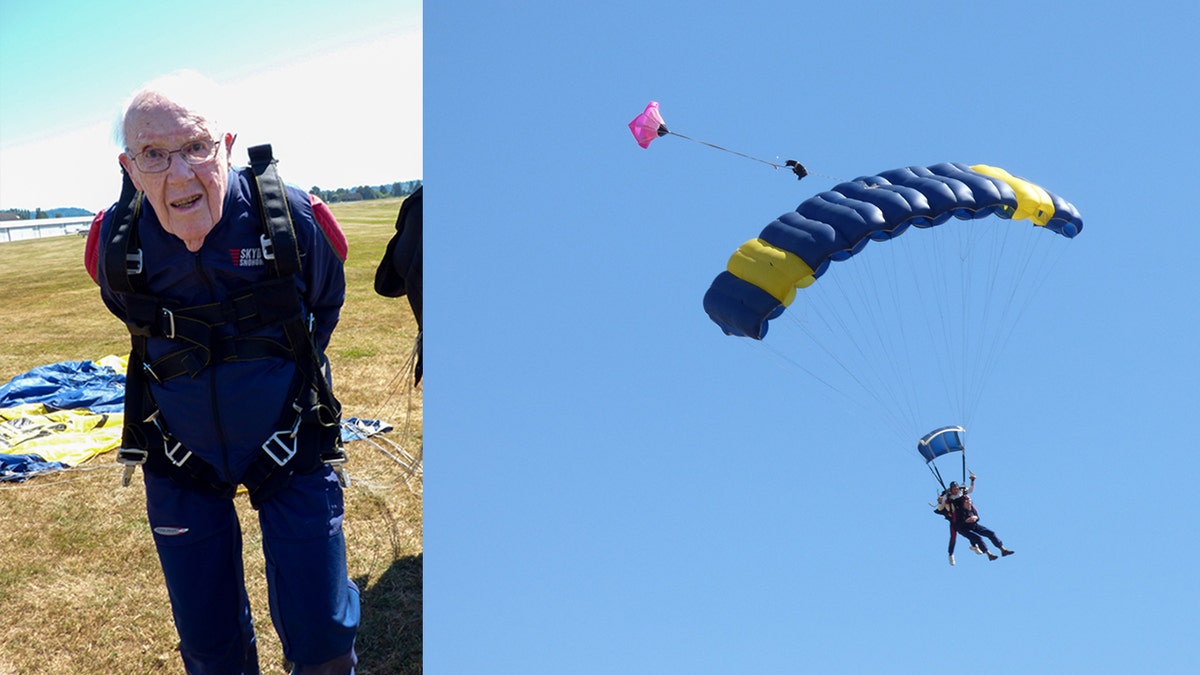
399	189
363	192
37	214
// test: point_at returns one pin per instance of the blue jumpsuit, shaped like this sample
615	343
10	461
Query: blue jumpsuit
223	415
974	532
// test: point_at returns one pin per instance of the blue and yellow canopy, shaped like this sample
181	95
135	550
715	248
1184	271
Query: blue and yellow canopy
763	275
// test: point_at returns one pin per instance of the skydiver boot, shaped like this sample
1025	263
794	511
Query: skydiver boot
991	556
976	549
1005	552
951	558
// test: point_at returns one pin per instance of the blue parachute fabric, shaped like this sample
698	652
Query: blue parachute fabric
734	302
940	442
837	224
77	386
68	385
14	468
355	429
82	387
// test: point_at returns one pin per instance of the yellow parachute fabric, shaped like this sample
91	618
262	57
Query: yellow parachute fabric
68	436
772	269
117	363
1033	202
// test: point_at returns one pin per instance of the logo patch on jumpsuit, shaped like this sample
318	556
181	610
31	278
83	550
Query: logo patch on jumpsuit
246	257
171	531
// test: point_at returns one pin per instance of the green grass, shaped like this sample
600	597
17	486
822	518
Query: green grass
81	588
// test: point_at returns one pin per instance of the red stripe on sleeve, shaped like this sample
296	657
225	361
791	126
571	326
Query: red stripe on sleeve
329	225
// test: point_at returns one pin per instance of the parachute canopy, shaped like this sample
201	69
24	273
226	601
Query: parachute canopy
62	414
795	250
940	442
648	125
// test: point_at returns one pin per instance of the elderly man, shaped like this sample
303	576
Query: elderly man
230	308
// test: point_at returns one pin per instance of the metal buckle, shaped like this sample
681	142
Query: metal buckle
130	463
171	450
276	439
268	247
170	321
337	464
135	258
150	371
168	449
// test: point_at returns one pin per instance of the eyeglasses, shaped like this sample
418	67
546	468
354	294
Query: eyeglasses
156	160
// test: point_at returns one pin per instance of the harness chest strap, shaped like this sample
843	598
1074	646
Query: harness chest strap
269	303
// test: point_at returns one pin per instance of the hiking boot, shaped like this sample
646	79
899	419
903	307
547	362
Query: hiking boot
977	550
991	556
1004	551
951	558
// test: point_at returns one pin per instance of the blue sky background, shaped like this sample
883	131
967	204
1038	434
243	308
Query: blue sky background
613	485
348	77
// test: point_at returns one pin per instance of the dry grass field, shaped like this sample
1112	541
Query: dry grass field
80	584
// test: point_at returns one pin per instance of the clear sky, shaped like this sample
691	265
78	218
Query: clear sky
614	486
334	87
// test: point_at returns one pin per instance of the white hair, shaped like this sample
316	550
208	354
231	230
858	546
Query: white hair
196	93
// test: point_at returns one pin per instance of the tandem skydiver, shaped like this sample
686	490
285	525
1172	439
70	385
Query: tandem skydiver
955	505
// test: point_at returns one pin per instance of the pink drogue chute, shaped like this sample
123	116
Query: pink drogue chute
648	125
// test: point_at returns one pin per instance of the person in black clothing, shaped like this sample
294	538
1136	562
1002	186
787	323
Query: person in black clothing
400	271
956	506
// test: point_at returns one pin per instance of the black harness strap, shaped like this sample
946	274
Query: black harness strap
117	254
279	244
285	257
262	305
316	407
